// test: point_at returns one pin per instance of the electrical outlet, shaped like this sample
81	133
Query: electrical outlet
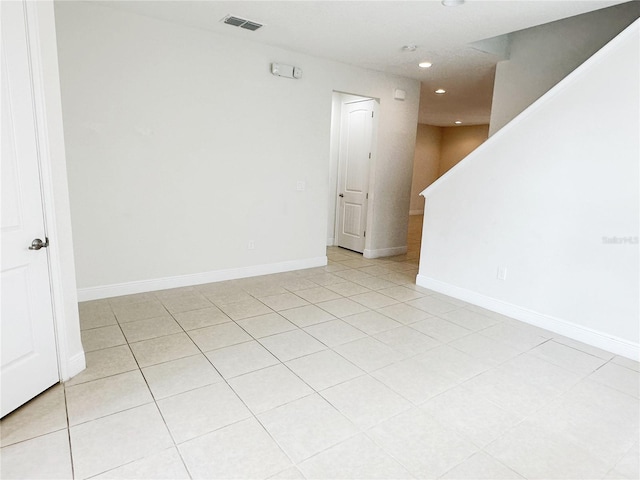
301	185
251	245
502	273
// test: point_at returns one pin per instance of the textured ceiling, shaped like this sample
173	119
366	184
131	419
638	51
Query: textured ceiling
371	34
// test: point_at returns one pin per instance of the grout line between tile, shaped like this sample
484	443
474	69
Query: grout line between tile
255	289
66	411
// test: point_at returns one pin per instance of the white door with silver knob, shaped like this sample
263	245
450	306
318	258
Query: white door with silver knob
29	353
356	136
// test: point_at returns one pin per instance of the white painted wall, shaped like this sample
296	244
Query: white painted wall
182	147
542	56
539	197
40	17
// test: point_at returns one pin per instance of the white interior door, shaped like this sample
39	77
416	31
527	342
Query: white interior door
353	173
29	355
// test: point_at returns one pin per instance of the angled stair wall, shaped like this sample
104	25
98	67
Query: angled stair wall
553	199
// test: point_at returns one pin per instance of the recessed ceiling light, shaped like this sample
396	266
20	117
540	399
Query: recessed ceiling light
452	3
458	122
409	48
424	64
440	91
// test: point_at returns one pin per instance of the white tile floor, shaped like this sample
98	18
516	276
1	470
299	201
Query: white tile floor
347	371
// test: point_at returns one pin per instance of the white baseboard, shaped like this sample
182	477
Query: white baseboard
75	365
115	290
416	212
580	333
330	242
384	252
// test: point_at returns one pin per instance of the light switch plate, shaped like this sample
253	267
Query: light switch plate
502	273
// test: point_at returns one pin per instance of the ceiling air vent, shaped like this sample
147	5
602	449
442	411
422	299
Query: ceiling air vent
242	23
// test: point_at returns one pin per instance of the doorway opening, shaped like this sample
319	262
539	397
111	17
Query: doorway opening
352	156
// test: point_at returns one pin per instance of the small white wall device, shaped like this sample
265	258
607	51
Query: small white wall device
287	71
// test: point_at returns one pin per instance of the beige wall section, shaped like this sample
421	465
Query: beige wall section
458	142
425	163
437	150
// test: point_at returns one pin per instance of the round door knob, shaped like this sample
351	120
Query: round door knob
37	244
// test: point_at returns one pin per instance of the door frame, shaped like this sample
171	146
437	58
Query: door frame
339	210
336	139
40	23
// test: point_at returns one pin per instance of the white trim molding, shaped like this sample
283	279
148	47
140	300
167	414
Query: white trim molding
582	334
75	364
50	139
384	252
128	288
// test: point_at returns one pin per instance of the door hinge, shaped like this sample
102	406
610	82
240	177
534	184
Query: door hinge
367	196
369	154
365	234
371	114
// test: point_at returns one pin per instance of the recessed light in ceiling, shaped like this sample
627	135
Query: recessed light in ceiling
440	91
409	48
424	64
452	3
458	122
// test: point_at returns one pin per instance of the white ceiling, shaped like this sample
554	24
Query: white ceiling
371	34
